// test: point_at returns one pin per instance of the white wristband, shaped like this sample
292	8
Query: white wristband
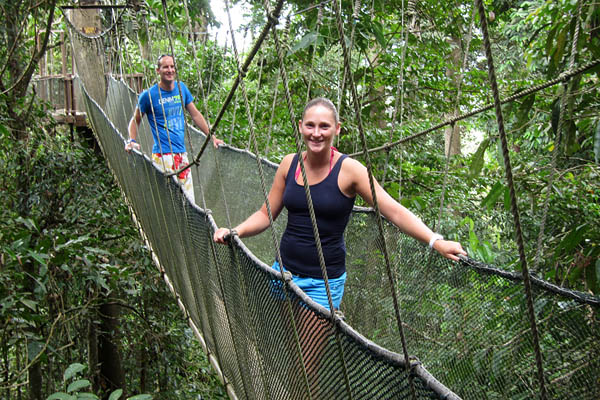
436	236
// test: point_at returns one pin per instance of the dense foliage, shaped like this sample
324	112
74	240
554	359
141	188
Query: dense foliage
441	72
74	251
67	246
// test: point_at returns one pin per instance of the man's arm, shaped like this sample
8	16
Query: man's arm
200	122
132	130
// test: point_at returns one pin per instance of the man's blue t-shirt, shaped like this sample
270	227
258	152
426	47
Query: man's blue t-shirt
171	102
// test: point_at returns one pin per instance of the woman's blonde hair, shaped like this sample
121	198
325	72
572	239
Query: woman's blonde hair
322	101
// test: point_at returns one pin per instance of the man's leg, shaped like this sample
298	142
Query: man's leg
169	163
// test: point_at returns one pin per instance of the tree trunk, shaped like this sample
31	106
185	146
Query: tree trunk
35	370
452	132
88	55
93	355
112	376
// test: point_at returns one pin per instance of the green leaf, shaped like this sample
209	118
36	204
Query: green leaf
34	348
39	258
61	396
78	384
524	108
308	39
73	241
73	369
594	277
495	192
378	32
573	238
478	157
32	305
560	45
116	395
86	396
4	131
571	137
507	198
473	241
140	397
29	223
499	154
550	41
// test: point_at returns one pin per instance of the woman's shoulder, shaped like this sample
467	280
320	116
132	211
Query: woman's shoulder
351	164
287	160
285	163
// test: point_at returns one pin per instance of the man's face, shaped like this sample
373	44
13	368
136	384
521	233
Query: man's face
166	70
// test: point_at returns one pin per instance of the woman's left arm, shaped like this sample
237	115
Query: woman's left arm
399	215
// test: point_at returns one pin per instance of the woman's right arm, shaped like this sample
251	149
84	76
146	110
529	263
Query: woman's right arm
259	221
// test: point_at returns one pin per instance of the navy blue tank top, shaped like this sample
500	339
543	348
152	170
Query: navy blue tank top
332	211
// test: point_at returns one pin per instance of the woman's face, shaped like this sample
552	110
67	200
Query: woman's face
318	128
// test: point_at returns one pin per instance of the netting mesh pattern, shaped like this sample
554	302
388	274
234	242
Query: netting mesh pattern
471	329
467	328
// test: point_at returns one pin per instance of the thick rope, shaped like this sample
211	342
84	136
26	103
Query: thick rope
555	151
357	111
311	211
536	88
272	22
513	200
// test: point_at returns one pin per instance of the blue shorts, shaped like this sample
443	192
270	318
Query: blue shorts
315	288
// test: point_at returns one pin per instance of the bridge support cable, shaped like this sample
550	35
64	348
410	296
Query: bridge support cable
513	200
564	98
358	111
533	89
242	69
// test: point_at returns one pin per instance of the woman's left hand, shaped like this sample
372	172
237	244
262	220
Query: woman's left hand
449	249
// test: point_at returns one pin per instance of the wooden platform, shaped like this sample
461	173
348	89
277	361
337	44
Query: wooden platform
64	100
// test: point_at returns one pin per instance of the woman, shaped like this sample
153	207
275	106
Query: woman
334	180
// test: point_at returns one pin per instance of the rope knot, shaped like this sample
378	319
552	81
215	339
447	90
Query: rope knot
287	276
273	18
565	76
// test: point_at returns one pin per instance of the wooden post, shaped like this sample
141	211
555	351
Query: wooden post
88	54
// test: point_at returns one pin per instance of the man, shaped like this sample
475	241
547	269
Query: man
169	152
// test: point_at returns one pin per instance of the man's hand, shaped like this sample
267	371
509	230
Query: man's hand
132	144
217	142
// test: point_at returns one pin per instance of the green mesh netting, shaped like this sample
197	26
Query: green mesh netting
466	323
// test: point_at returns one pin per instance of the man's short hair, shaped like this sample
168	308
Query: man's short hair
160	59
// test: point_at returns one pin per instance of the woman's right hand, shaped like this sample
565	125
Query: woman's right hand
221	235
